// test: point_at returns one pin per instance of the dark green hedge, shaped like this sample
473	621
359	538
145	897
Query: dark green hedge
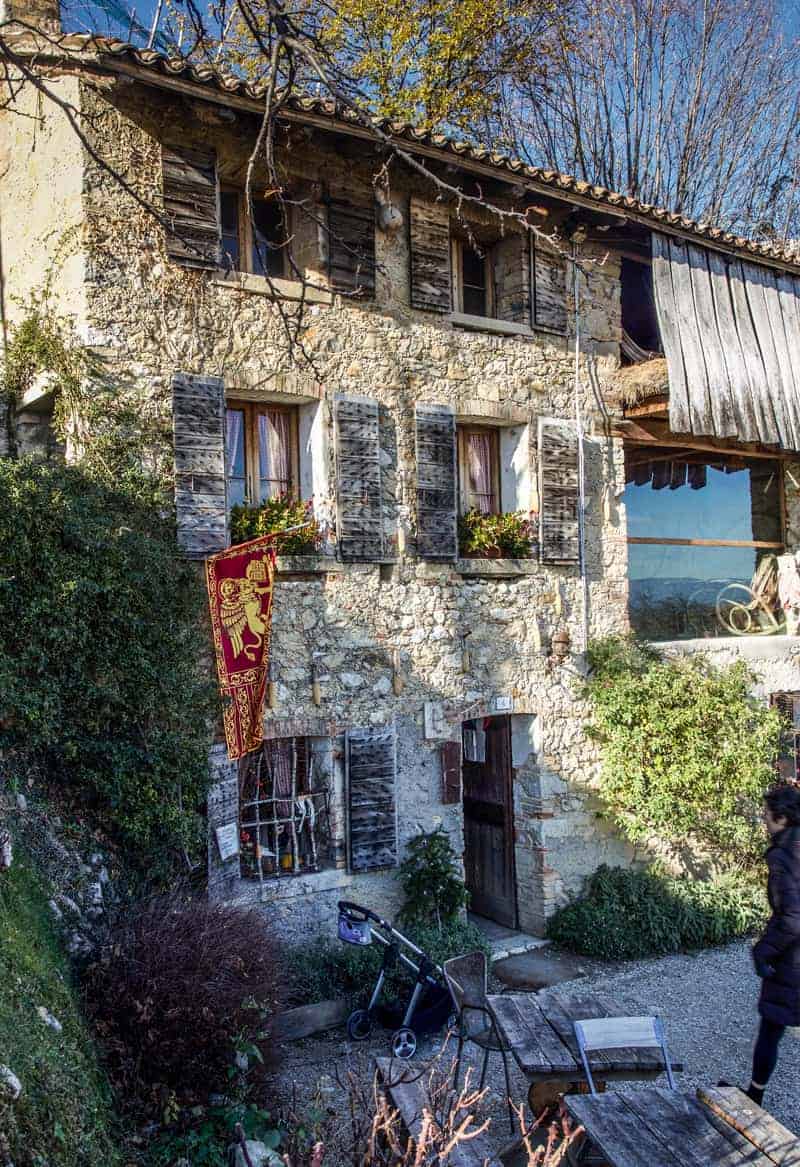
627	914
101	652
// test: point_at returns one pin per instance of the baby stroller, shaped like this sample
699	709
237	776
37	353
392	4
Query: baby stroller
430	1007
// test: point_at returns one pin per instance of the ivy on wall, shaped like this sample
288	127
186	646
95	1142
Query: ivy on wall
687	751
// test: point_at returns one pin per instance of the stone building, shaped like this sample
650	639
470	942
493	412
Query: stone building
448	365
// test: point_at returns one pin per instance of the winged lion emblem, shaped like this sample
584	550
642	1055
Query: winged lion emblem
240	608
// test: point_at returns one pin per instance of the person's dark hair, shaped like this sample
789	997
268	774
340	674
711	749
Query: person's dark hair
784	802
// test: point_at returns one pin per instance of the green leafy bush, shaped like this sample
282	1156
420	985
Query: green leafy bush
101	651
687	752
493	536
275	515
625	914
431	880
328	969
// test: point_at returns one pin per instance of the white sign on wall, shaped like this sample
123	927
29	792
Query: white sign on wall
228	840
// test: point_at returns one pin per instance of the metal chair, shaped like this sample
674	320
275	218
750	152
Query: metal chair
601	1033
466	978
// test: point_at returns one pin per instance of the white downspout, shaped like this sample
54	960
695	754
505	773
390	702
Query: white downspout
581	460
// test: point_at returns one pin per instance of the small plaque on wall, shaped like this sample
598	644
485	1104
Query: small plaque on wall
228	840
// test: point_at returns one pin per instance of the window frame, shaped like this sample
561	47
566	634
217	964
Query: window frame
673	453
463	430
278	825
252	470
246	236
457	245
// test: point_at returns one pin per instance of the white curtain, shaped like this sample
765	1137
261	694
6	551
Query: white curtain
274	453
233	435
479	451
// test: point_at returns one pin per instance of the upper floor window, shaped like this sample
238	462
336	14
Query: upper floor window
640	334
261	451
472	279
253	243
479	469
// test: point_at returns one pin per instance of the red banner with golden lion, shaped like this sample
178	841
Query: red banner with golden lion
239	583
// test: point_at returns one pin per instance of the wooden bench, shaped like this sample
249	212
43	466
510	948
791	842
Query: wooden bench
406	1087
733	1107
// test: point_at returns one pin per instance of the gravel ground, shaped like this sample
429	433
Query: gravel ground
707	1002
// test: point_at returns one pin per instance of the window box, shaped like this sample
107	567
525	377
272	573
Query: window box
277	514
492	536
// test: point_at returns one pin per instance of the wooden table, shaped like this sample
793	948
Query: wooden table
538	1029
664	1128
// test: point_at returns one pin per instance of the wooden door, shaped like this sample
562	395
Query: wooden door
489	827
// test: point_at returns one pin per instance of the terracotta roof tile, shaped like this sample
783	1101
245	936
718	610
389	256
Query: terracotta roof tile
95	48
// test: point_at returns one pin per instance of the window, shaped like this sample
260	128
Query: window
787	763
703	532
254	244
473	291
640	334
261	451
479	469
284	809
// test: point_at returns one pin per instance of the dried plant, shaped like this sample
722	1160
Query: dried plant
369	1130
182	987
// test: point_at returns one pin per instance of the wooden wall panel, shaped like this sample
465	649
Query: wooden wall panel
429	235
198	412
558	491
191	205
437	534
370	761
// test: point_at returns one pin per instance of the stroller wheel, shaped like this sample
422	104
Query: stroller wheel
359	1025
404	1044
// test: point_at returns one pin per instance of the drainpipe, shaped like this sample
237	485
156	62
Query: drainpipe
581	459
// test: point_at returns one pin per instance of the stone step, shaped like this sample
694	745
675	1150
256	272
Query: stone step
505	942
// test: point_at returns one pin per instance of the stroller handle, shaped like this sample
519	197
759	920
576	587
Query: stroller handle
356	912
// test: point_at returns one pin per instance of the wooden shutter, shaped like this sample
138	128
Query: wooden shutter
351	247
429	228
198	412
451	772
558	491
437	533
370	758
512	278
359	511
786	763
549	287
191	206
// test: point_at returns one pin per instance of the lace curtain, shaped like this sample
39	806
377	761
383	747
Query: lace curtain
274	453
479	460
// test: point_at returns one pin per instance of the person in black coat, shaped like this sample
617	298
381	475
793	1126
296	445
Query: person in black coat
776	956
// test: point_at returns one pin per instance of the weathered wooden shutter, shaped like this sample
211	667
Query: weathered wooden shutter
429	231
351	247
437	534
198	413
558	491
370	756
512	278
788	706
191	206
549	287
451	772
223	813
359	495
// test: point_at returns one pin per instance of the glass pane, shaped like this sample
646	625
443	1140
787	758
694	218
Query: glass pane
677	593
229	214
268	234
275	453
473	279
234	455
670	497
